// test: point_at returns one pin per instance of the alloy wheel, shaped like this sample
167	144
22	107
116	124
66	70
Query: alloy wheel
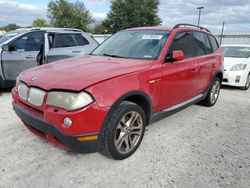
128	132
215	92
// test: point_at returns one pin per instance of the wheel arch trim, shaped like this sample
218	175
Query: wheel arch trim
123	98
219	72
142	94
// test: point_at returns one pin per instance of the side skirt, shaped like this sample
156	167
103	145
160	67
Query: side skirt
171	110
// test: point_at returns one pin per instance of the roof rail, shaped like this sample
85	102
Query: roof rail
191	25
55	28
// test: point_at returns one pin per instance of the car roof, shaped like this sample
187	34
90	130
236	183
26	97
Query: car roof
19	32
151	28
49	29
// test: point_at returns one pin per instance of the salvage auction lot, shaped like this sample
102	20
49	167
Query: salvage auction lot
196	147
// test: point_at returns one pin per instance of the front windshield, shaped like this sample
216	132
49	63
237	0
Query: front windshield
6	37
134	44
235	51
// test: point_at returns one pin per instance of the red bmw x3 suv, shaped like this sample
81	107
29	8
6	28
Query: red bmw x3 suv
103	101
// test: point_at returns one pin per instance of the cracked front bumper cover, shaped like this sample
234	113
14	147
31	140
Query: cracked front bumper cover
49	132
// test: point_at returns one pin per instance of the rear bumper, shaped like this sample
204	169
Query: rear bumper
49	132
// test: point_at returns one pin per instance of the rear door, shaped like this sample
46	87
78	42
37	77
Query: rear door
206	61
23	53
65	45
179	77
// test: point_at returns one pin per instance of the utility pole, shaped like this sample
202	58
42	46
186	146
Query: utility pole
199	18
222	32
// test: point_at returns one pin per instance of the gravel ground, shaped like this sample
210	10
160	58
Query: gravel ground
196	147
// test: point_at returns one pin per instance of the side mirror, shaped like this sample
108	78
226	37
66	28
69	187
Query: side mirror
178	55
5	47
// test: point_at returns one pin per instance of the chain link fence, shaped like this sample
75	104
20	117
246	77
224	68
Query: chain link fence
235	38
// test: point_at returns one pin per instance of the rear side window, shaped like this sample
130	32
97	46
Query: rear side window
184	41
64	40
213	42
202	44
80	40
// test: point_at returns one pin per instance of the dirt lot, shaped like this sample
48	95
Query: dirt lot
197	147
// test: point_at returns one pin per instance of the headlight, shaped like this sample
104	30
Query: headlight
238	67
69	101
17	81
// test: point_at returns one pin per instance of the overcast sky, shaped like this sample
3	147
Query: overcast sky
236	13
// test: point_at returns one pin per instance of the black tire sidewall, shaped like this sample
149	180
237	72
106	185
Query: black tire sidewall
247	87
208	99
112	126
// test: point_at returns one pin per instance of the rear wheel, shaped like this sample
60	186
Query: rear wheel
122	135
246	87
213	93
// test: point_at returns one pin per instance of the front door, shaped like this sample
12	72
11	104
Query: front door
178	77
22	54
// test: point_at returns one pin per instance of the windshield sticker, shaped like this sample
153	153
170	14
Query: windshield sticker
147	56
245	50
152	37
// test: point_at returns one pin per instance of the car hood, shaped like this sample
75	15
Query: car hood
81	72
229	62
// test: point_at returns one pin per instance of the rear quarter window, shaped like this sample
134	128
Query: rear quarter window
81	41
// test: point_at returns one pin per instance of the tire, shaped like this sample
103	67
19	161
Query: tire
213	93
246	87
1	84
120	137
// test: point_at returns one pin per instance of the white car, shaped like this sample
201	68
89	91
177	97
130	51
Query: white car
236	65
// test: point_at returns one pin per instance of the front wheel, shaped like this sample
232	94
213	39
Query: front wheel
123	134
213	93
246	87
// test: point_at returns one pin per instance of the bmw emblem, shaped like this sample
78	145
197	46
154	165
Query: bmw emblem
33	79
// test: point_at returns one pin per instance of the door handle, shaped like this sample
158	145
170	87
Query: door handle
29	57
213	65
193	69
154	81
76	51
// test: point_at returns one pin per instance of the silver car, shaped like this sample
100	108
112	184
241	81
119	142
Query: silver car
39	46
11	34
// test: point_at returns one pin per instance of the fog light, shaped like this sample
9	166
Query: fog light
237	80
67	122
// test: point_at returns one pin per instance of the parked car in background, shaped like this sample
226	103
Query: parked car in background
237	66
39	46
103	101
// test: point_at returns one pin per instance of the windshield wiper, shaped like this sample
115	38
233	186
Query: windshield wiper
111	55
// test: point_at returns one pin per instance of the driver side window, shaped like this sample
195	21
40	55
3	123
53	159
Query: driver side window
28	42
183	41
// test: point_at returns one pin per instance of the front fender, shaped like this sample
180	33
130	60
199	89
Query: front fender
110	91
